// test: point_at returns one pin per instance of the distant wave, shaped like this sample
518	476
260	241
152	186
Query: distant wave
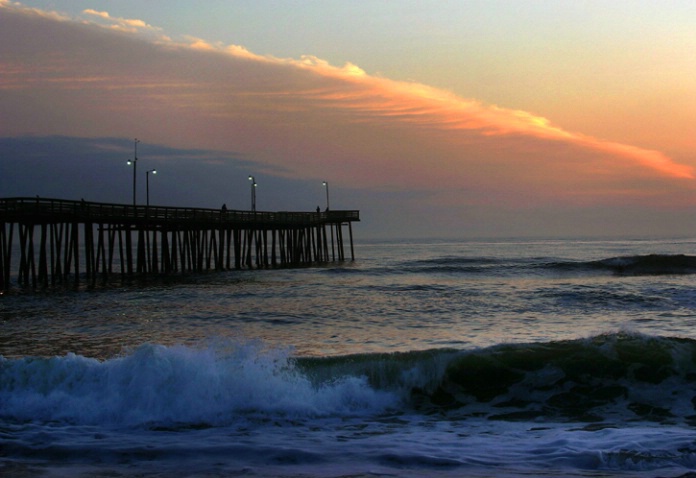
613	377
651	264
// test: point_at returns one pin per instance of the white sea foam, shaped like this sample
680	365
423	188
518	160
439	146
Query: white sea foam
159	384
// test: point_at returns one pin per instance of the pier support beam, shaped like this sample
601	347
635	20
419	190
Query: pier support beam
71	242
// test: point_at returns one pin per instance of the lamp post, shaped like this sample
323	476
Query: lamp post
253	193
134	162
326	185
333	251
147	184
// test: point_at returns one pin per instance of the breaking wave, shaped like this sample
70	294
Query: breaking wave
598	380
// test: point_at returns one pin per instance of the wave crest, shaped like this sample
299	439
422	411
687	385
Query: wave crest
155	384
617	376
620	376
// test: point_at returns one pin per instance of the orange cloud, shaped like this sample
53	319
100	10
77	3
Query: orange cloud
429	107
426	106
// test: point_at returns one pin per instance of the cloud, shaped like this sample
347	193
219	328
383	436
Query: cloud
89	11
424	106
120	24
305	118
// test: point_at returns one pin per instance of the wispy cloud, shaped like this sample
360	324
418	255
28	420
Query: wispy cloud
122	24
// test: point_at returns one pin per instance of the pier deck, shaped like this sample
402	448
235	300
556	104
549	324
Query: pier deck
64	241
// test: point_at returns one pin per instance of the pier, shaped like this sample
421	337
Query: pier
64	242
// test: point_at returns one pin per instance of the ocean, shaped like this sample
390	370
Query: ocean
419	359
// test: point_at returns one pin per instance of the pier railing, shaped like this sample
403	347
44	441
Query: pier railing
98	240
41	210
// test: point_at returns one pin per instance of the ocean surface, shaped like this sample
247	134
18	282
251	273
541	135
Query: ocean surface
419	359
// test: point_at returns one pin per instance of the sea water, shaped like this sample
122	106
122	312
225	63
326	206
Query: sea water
501	358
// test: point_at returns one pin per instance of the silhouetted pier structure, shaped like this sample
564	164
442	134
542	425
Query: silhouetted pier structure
62	241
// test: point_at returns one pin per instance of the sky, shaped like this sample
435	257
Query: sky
467	119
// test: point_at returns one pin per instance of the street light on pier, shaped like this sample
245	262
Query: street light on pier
147	184
326	185
253	193
134	162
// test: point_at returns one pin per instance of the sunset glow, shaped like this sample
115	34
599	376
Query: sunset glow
97	73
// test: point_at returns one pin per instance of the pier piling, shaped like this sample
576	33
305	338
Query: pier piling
91	242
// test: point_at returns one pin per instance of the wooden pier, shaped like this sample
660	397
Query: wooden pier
63	242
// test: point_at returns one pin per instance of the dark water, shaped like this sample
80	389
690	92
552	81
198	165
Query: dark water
547	358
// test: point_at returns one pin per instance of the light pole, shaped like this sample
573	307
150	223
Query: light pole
326	185
134	162
147	184
253	193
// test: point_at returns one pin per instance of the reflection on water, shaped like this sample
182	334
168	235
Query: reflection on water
399	297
